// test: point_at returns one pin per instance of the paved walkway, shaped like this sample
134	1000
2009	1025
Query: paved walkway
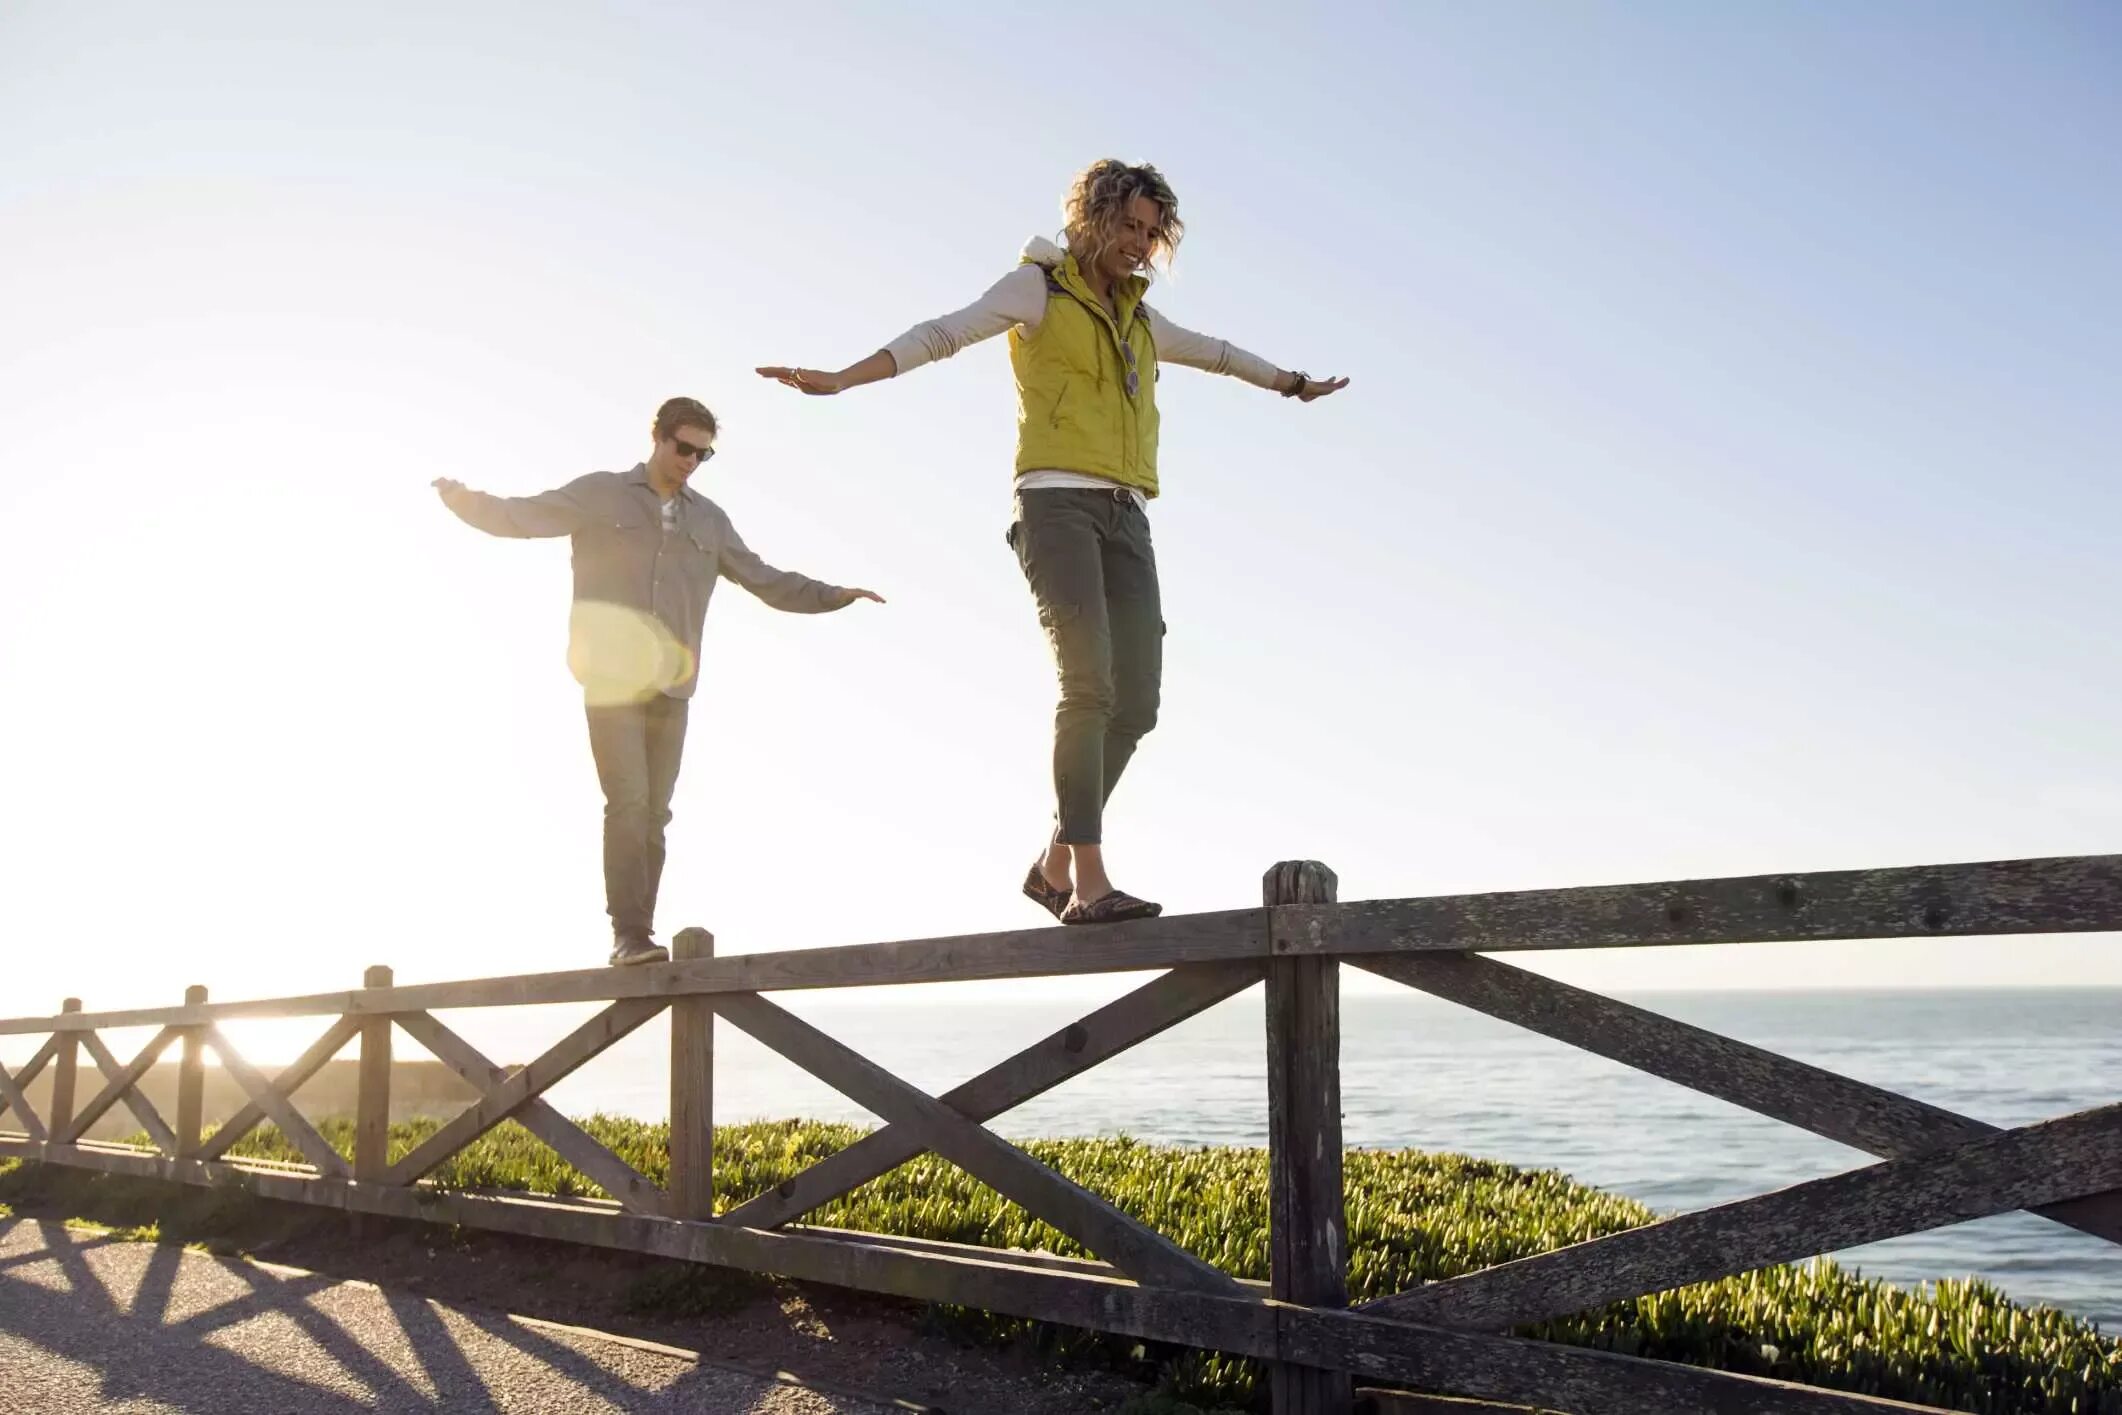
92	1324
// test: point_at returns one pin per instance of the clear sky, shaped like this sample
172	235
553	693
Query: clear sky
1728	483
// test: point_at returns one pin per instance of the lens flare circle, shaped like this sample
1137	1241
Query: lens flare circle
620	654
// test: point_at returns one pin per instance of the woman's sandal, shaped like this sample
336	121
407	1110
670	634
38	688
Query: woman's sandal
1112	909
1052	900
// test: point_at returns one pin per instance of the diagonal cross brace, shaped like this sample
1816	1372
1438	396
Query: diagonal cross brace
33	1068
1851	1112
1131	1246
1150	1009
300	1133
284	1085
633	1189
11	1094
2036	1164
120	1084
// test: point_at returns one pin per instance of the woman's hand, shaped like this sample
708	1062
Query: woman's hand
1316	388
815	382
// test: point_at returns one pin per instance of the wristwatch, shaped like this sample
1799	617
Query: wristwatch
1297	386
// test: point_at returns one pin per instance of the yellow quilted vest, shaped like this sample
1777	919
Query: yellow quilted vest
1087	384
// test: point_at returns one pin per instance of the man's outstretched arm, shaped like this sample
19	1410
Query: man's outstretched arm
558	512
784	589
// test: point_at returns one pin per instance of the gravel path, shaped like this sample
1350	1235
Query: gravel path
92	1324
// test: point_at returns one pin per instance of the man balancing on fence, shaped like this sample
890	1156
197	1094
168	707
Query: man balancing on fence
647	552
1085	349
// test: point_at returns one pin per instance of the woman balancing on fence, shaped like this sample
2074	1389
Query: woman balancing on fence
1085	349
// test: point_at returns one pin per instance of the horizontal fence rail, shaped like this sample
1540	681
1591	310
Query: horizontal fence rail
2072	894
1451	1337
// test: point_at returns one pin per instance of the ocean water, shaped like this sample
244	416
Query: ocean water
1418	1072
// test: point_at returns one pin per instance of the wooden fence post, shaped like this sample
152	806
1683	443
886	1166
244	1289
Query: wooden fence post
1307	1222
65	1066
692	1089
372	1102
191	1080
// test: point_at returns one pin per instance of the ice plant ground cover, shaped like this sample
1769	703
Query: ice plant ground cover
1413	1217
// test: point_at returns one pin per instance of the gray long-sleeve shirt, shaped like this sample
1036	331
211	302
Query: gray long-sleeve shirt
644	572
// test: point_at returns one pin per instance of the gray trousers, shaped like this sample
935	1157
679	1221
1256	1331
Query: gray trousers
1093	574
638	747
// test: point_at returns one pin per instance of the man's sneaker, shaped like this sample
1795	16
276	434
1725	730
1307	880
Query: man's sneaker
628	951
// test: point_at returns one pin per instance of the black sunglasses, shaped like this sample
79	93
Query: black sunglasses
686	449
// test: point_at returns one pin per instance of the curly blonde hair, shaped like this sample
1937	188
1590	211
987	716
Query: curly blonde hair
1099	197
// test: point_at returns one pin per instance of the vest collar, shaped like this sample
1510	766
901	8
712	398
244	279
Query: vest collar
1128	292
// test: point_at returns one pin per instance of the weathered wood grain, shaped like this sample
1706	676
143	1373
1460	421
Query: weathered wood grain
119	1084
299	1132
1862	1116
516	1090
1119	1238
66	1067
2072	894
509	1092
1055	1262
1581	1381
1523	1372
34	1067
1370	1400
1049	952
1948	1167
372	1093
1307	1219
2037	1164
692	1089
628	1186
1154	1007
191	1081
2075	894
286	1083
11	1093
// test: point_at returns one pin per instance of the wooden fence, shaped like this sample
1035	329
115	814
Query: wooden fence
1449	1337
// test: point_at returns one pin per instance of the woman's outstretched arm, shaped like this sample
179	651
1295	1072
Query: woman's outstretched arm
1176	344
874	369
1017	298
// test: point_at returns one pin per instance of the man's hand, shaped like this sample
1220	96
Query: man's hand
807	380
1317	388
848	597
447	488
